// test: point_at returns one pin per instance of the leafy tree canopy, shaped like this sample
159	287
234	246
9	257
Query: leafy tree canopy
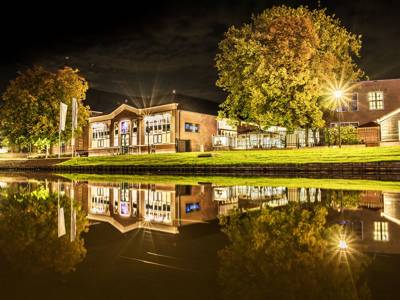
28	232
31	110
276	68
288	253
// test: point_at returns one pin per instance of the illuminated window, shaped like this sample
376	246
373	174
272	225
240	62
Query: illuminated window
381	232
190	127
375	100
100	200
343	124
125	132
353	105
157	206
116	129
134	132
158	128
124	204
191	207
100	135
350	104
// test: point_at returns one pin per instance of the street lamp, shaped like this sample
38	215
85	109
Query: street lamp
338	94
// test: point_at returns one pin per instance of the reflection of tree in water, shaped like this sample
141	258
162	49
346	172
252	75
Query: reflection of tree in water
29	232
288	253
342	198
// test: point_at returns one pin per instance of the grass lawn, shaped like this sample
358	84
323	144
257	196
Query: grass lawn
346	184
305	155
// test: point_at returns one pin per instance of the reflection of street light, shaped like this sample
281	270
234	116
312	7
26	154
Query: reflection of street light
343	245
338	94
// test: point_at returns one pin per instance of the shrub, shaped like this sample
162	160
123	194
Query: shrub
348	135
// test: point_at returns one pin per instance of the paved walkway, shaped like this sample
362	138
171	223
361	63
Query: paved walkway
30	163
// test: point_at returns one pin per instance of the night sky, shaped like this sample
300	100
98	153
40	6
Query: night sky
140	49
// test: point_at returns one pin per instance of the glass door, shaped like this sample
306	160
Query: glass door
125	132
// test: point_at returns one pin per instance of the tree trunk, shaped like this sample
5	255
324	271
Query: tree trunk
47	151
306	137
315	136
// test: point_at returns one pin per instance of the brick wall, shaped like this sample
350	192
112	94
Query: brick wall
207	128
391	101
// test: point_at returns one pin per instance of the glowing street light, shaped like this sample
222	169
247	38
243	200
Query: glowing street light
338	94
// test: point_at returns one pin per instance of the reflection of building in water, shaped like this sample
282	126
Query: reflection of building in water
128	206
162	207
374	217
391	207
254	197
375	224
166	207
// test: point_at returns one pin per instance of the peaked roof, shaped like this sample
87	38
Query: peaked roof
107	102
137	111
388	115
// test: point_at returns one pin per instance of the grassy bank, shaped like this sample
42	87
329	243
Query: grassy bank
388	186
261	157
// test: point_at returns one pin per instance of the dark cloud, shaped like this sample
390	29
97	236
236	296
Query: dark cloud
159	46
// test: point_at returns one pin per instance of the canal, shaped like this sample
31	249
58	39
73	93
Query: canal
175	237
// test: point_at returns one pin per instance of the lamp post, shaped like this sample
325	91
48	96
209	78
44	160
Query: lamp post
338	94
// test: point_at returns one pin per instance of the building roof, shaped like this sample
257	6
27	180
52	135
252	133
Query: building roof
379	80
107	102
137	111
369	124
388	115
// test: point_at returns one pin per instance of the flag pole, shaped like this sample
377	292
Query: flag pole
74	124
72	141
59	134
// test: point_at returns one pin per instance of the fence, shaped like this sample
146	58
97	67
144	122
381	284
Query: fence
277	139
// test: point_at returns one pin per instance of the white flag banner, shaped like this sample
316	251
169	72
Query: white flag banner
74	113
63	115
73	215
61	222
60	214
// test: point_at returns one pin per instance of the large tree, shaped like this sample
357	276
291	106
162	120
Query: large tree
29	239
276	69
31	110
289	253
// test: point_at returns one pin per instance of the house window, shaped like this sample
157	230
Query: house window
124	127
343	124
100	200
116	129
354	102
350	104
158	128
157	206
100	135
190	127
134	132
375	100
381	232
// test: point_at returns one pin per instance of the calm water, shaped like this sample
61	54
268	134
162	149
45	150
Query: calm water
105	237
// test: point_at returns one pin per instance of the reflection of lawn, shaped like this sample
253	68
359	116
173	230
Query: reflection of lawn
345	184
308	155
